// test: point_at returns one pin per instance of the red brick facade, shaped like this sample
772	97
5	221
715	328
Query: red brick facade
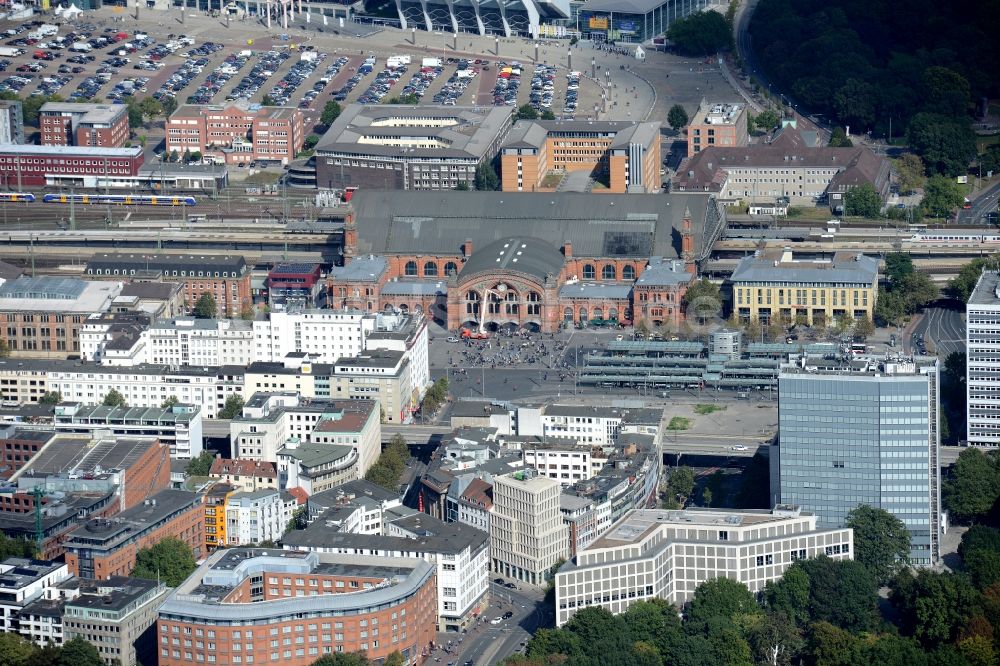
235	135
522	300
94	125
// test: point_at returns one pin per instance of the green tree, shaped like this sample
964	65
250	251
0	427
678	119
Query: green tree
839	139
51	398
390	464
961	285
973	485
881	541
603	637
114	398
14	650
766	120
654	622
855	103
547	114
776	640
706	496
890	308
394	659
233	407
789	595
864	327
990	159
79	652
486	177
721	598
169	105
898	266
677	117
942	195
918	289
699	34
200	465
681	481
703	300
526	112
169	560
205	307
170	402
31	105
15	548
933	606
841	592
150	108
310	142
863	201
548	642
4	349
462	186
247	312
947	92
134	113
947	145
268	101
408	99
912	173
331	111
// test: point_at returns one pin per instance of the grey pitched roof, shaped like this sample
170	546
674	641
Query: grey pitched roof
599	225
530	256
845	268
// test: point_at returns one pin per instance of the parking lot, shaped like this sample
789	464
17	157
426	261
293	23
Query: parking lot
107	60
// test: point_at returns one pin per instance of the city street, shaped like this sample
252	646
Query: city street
985	202
943	330
486	643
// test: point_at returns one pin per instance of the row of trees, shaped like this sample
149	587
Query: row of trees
168	560
907	290
140	111
866	64
17	651
435	396
390	465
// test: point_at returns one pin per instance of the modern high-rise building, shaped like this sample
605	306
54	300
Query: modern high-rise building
861	430
982	372
527	532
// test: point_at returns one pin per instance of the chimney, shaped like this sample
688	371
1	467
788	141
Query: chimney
568	249
467	247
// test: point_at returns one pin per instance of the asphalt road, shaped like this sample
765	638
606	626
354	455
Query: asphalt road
487	643
985	202
944	329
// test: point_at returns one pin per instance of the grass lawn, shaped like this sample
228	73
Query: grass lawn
551	180
679	423
708	409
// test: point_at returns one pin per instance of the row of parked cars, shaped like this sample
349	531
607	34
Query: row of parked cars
572	92
421	81
331	71
127	88
351	83
258	75
383	82
290	82
455	86
217	78
507	85
542	87
51	85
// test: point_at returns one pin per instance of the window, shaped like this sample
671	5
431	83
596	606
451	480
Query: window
628	273
588	272
430	269
609	272
411	269
450	268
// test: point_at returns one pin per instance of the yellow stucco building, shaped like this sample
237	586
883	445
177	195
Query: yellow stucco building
772	283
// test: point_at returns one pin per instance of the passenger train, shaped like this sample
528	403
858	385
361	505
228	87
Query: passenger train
17	196
957	237
122	199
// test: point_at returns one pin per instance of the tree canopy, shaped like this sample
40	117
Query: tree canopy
973	485
942	195
863	201
205	307
961	285
169	560
486	177
233	407
331	111
677	117
390	464
200	465
881	541
701	33
114	398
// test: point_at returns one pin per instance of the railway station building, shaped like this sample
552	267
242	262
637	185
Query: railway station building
534	260
26	165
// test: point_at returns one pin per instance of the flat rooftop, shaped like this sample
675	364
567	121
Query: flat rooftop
114	594
66	295
17	572
394	130
637	525
68	454
987	291
88	113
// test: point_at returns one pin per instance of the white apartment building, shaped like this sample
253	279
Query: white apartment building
273	422
652	553
180	426
204	342
982	375
325	334
144	386
459	553
527	533
261	515
563	461
23	582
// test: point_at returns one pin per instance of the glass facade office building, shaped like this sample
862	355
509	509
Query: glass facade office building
855	431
